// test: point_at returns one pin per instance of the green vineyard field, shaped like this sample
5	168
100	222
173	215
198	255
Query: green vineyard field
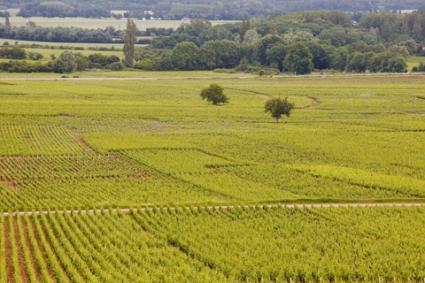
155	145
206	245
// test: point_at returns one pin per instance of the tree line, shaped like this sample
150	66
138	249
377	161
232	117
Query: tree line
33	32
67	62
218	9
59	34
297	43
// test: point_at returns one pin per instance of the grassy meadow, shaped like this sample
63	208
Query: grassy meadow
129	142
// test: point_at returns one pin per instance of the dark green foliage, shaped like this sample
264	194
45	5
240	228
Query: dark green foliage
220	54
299	59
357	63
24	67
387	62
265	45
12	52
214	94
60	34
62	9
393	27
101	60
276	55
116	66
278	107
321	55
185	56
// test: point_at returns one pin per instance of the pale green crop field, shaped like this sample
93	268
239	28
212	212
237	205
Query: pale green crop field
130	142
116	46
91	23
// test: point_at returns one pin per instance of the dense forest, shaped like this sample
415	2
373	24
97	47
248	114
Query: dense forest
218	9
297	43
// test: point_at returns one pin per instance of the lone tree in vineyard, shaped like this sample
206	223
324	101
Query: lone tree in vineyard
130	42
278	107
214	94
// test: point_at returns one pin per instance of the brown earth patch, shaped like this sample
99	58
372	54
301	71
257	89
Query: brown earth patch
66	116
8	184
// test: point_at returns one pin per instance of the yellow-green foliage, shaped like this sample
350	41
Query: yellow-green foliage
360	244
218	245
96	248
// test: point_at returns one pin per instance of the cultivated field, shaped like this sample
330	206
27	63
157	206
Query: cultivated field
99	23
197	174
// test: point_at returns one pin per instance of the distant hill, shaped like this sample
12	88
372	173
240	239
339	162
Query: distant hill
217	9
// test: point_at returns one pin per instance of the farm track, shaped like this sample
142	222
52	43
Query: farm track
324	76
218	207
120	79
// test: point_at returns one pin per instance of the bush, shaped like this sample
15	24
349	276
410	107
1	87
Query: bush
24	67
214	94
13	53
419	68
103	60
35	56
117	66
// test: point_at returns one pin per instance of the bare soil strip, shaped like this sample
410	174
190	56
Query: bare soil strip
218	207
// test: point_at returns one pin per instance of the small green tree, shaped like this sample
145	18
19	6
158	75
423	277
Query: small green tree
278	107
214	94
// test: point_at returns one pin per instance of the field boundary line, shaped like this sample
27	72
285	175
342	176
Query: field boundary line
215	207
93	79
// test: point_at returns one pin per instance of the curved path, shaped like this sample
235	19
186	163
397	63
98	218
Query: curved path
218	207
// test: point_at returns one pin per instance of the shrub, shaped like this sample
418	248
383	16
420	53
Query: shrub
419	68
13	53
35	56
117	66
214	94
